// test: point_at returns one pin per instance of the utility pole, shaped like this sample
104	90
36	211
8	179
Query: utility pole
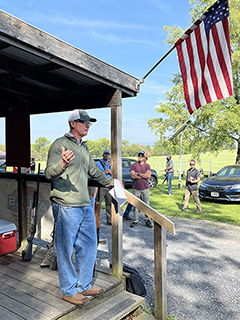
180	131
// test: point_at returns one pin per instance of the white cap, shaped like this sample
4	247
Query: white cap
79	114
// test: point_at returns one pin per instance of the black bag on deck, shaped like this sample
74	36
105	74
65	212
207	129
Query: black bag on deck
134	283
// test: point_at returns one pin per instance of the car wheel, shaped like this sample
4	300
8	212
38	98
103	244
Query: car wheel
152	182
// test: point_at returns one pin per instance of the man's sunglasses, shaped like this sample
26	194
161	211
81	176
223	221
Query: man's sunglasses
85	123
141	155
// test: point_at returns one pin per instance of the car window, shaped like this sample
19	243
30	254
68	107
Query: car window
223	172
133	161
125	164
232	172
229	172
236	172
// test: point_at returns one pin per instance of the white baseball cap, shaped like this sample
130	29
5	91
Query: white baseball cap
80	114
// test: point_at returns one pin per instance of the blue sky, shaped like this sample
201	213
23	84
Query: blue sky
126	34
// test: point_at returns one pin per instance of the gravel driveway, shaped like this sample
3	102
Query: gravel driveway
203	266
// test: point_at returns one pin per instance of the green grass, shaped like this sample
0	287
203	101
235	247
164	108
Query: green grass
224	158
172	205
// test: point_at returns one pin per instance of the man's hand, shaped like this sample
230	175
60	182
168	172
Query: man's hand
67	157
108	171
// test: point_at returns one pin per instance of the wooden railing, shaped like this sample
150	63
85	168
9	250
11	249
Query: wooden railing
161	225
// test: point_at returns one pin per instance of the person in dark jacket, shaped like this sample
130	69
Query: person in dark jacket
32	165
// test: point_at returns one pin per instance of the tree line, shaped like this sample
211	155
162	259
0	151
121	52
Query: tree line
40	147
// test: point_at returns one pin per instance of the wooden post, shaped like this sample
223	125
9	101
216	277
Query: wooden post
160	272
22	209
116	164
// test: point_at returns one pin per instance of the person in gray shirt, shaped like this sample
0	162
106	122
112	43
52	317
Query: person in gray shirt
191	188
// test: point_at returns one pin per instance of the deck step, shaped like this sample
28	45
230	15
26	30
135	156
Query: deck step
115	308
145	316
34	293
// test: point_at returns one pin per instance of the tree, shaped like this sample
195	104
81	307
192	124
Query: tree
97	147
216	125
3	147
40	148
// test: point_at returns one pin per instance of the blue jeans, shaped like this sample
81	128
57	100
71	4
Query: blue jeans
128	209
169	182
75	228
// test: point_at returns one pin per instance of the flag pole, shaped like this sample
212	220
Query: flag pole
155	66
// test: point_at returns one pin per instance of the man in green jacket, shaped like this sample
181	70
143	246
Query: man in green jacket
68	166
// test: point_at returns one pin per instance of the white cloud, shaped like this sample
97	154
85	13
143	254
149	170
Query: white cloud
161	5
154	88
115	39
86	23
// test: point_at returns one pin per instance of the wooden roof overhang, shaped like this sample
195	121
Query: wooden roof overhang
52	75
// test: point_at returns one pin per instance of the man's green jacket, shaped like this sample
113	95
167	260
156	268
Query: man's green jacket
70	186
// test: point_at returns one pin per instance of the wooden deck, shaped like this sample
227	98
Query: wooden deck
30	292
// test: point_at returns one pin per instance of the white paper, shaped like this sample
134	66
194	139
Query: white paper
118	194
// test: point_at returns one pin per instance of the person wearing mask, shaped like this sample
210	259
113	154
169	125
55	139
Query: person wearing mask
169	173
191	187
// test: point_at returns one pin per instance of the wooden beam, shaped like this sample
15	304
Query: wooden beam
160	272
150	212
18	135
116	164
22	209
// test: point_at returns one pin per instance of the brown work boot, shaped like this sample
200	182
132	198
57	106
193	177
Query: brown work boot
127	218
93	291
78	299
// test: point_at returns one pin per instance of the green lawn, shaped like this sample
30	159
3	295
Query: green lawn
172	205
224	158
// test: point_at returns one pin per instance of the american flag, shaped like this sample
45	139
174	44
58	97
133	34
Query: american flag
205	58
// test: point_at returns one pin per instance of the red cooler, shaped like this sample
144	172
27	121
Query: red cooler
8	237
